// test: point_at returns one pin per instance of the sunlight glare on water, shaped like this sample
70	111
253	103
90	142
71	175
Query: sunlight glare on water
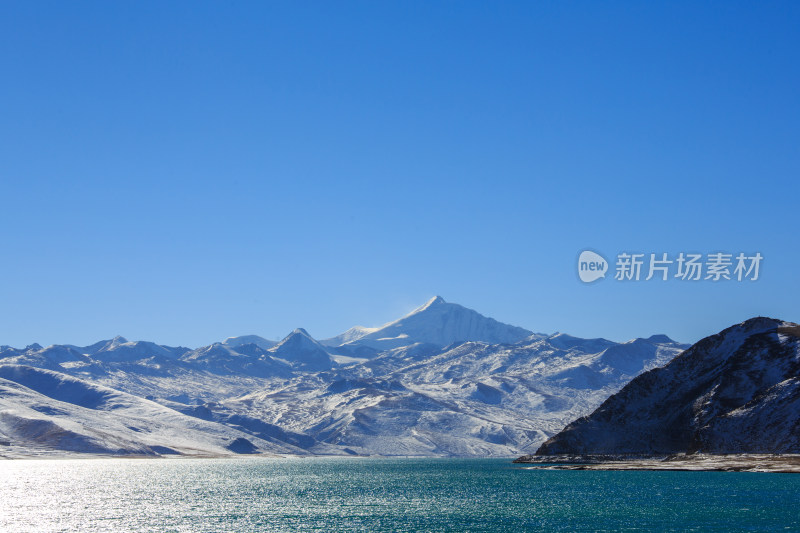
370	494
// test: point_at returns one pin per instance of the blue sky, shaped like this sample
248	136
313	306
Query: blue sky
184	172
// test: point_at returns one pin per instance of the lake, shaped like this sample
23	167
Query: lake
375	494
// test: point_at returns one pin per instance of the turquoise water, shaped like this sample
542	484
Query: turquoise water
349	494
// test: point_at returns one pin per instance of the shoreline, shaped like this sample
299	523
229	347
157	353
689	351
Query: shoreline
51	454
765	463
745	462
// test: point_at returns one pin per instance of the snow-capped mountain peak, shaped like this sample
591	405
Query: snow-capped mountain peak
435	301
302	350
440	323
261	342
302	332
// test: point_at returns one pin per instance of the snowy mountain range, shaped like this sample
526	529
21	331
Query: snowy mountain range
441	381
735	392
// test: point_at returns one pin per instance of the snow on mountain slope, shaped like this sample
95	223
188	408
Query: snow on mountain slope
261	342
735	392
471	399
104	345
247	359
204	375
440	323
302	351
378	417
128	351
351	335
53	357
45	410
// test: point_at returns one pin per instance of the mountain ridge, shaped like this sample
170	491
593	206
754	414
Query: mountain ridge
737	391
299	396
